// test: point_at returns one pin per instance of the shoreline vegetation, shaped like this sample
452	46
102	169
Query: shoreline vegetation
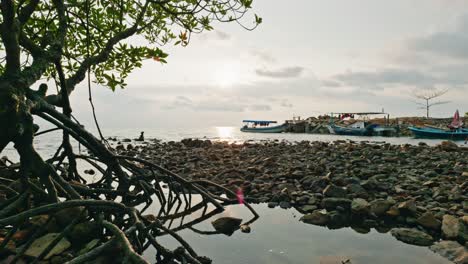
418	193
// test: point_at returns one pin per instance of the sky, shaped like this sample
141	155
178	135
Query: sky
307	58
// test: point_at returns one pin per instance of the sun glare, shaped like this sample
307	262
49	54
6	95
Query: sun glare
225	132
226	75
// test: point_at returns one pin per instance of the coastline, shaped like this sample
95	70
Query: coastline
417	192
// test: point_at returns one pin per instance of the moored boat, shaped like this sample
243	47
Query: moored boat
261	126
436	133
455	131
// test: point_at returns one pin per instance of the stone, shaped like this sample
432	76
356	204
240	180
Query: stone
451	250
333	203
308	208
360	206
43	242
272	204
408	207
226	225
285	205
393	211
378	207
90	245
316	218
451	226
334	191
412	236
84	232
66	216
428	220
245	228
448	146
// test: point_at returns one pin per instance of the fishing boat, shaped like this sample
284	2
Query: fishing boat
455	130
361	127
262	126
356	129
437	133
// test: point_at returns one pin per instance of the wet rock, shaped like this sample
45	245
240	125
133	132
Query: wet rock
360	206
334	191
43	242
453	228
333	203
337	219
84	232
393	211
452	251
272	204
285	205
428	220
316	218
245	228
66	216
448	146
412	236
226	225
408	208
380	206
308	208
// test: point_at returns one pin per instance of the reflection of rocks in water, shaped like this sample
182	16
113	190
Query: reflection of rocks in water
227	225
276	257
337	184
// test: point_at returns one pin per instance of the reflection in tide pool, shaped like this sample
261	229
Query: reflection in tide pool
278	237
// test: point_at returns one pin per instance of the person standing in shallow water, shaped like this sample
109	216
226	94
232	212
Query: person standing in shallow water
142	136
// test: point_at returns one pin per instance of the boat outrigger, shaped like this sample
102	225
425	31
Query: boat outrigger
455	130
362	127
262	126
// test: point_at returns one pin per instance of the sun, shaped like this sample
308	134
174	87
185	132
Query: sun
226	75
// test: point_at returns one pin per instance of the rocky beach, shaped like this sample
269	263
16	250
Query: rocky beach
418	193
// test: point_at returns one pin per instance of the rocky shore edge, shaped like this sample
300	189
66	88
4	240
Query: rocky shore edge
417	193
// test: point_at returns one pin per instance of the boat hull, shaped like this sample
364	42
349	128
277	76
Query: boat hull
349	131
273	129
460	134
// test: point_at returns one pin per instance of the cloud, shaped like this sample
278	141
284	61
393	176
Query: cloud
263	55
379	78
451	44
212	104
221	35
286	72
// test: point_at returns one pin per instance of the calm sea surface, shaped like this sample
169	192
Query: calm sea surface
277	236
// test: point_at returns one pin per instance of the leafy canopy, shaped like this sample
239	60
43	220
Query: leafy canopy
108	38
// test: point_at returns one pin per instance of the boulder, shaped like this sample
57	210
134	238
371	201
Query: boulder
43	242
334	191
333	203
412	236
450	226
378	207
451	250
408	207
428	220
360	206
316	218
226	225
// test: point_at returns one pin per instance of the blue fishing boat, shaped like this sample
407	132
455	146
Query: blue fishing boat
262	126
361	127
436	133
455	131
